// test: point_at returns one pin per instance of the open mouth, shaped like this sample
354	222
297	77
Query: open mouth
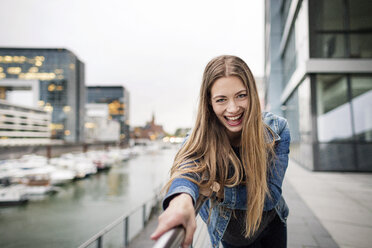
234	120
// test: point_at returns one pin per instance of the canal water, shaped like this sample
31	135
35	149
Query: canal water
82	208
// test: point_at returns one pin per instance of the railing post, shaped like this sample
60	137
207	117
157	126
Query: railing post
126	227
144	215
99	242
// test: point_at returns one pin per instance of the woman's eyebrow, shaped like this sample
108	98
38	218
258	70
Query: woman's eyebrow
218	96
241	91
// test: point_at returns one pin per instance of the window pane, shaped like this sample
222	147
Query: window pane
333	109
286	4
360	14
362	106
361	45
289	58
329	15
330	46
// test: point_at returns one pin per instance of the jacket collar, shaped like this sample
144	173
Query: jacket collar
271	135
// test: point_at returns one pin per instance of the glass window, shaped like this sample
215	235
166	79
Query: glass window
360	14
304	109
333	108
361	88
290	57
329	15
286	4
292	114
330	46
341	28
361	45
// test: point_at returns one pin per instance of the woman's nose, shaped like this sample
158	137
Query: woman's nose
232	107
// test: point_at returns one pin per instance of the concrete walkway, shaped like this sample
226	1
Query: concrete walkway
327	210
342	202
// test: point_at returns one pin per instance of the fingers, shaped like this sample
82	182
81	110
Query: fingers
190	230
160	230
179	212
166	222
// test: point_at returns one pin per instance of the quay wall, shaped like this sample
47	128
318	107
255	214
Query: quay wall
50	151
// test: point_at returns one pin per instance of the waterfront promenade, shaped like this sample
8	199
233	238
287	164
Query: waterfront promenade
327	210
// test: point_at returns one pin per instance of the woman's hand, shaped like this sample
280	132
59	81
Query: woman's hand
179	212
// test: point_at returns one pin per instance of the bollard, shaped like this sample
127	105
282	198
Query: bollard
99	242
126	231
144	215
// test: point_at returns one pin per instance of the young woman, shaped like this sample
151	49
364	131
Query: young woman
239	153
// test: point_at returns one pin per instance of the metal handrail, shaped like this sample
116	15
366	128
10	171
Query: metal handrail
175	236
122	219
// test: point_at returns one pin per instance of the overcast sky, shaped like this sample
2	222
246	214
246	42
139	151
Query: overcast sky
156	49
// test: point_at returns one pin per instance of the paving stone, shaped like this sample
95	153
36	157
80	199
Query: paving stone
325	242
301	239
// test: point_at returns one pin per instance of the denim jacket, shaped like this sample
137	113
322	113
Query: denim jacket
236	197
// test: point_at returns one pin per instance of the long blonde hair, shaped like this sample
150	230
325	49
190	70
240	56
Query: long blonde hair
209	151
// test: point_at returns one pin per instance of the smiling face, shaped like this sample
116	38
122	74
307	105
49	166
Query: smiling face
229	100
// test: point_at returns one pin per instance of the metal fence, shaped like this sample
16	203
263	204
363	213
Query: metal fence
171	239
151	205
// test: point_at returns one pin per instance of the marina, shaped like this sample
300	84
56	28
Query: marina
78	208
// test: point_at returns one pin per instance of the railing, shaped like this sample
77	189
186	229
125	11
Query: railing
174	237
124	220
171	239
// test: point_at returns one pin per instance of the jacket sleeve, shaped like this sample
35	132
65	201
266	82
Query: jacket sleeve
278	168
178	186
182	185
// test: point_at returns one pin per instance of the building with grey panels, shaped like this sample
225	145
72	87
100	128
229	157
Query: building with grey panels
318	74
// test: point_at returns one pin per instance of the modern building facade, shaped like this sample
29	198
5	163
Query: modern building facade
61	85
117	98
21	125
99	127
318	73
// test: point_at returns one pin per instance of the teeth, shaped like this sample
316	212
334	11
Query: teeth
233	118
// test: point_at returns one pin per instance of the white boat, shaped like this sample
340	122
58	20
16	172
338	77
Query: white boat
36	179
68	163
13	195
101	159
127	154
39	190
85	164
61	176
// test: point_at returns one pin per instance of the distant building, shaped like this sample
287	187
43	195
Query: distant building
117	98
56	77
318	73
21	125
150	131
99	126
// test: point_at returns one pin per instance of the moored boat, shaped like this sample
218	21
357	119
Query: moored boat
13	195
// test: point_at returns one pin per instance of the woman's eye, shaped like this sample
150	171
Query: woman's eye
220	100
242	95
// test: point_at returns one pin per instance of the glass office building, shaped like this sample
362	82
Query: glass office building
61	85
318	74
117	98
